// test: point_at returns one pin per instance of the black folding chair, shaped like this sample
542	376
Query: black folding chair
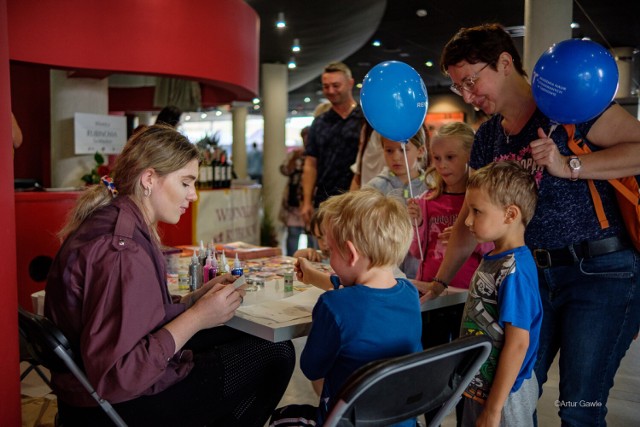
34	365
388	391
50	348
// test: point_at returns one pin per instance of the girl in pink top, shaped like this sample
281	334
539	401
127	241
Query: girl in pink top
435	212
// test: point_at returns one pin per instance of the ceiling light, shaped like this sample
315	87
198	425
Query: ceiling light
256	107
203	115
187	117
515	31
218	113
575	25
280	23
421	13
307	99
429	63
296	45
256	100
376	43
292	63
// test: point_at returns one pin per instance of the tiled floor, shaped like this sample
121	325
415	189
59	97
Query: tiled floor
624	400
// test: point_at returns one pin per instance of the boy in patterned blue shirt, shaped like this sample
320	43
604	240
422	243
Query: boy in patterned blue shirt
504	301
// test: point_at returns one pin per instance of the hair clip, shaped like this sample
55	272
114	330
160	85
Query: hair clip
108	182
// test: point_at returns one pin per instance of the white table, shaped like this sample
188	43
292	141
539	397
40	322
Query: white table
272	330
273	298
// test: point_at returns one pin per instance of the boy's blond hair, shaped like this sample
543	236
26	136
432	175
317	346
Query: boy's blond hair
507	183
378	226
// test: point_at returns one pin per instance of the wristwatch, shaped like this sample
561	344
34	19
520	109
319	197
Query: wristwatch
574	166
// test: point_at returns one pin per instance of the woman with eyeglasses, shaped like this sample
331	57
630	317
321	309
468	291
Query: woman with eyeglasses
588	276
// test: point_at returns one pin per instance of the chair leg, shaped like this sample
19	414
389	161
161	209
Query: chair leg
36	368
26	372
42	375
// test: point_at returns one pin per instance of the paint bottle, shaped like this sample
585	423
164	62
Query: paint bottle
214	265
202	255
236	271
195	273
224	264
209	271
288	281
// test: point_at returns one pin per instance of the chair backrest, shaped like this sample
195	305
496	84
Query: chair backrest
49	346
42	337
392	390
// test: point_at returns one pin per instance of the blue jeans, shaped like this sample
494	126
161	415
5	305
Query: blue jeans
591	314
293	238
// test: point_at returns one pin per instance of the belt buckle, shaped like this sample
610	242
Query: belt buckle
544	256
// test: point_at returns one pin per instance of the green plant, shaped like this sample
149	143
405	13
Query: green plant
98	171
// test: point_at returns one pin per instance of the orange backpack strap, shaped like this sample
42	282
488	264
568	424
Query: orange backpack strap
624	191
579	147
597	205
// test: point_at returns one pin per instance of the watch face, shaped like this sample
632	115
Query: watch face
575	163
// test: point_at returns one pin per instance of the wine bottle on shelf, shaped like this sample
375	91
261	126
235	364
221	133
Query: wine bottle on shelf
202	176
217	172
209	174
223	170
226	176
229	173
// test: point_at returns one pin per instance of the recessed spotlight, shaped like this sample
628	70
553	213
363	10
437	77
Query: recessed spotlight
575	25
307	99
256	100
187	117
256	107
218	113
292	63
359	85
429	63
280	23
203	115
376	43
296	45
421	13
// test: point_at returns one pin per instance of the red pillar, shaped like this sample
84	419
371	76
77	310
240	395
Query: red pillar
10	354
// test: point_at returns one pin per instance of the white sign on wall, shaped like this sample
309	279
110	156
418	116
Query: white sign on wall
97	132
228	215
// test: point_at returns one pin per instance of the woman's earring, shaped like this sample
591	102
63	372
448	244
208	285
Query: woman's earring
147	192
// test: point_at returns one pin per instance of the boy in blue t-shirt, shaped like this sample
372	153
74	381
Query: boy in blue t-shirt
370	315
504	301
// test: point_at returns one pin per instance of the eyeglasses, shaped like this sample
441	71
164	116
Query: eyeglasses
468	83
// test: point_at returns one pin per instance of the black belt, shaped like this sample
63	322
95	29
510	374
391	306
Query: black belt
546	258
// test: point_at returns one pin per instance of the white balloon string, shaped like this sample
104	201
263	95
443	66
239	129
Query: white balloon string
553	127
415	221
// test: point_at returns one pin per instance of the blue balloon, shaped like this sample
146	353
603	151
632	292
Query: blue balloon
574	81
394	100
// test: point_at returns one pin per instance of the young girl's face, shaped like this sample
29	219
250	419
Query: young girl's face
450	159
322	244
395	158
